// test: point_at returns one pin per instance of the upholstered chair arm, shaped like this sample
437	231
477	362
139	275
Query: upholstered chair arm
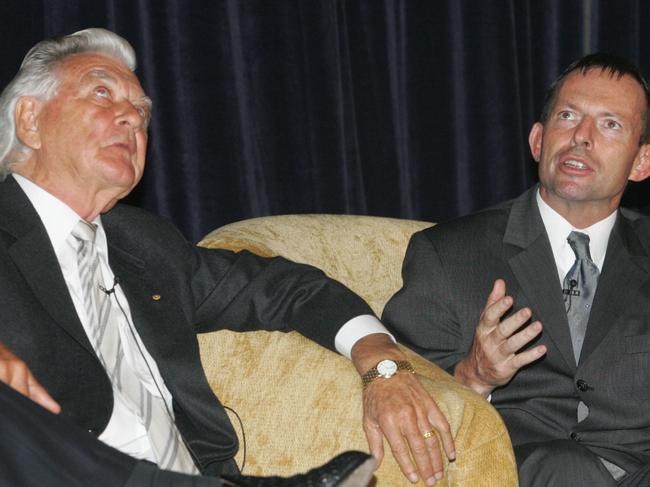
301	404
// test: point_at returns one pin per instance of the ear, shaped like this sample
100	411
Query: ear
641	167
535	140
27	111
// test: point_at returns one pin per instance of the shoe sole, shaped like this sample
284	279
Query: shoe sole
361	475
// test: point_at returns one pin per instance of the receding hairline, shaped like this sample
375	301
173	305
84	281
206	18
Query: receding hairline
612	73
100	72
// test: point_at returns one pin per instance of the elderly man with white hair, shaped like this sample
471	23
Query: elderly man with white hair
101	303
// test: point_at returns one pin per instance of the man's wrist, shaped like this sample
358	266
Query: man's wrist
371	349
386	369
466	374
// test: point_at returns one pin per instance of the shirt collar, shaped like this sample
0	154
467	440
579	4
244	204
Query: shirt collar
558	229
57	217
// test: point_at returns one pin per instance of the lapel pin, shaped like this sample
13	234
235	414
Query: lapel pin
156	297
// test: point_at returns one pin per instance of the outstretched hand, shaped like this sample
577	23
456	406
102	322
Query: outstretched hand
15	373
493	359
401	409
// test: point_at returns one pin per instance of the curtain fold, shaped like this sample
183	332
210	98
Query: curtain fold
403	108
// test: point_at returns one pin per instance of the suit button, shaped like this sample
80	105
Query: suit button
574	436
582	385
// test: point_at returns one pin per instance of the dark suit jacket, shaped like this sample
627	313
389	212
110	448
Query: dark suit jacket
448	273
201	290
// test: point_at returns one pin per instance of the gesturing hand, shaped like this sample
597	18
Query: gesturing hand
15	373
493	359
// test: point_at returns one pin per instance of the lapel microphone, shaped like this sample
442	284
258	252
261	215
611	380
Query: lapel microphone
108	292
571	291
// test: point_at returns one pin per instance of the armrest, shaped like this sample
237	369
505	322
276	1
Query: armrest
301	404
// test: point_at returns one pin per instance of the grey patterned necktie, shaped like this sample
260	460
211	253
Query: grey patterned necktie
579	288
103	318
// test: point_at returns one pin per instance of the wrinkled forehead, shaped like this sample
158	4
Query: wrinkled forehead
89	67
602	86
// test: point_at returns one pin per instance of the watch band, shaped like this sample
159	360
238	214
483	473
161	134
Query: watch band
374	373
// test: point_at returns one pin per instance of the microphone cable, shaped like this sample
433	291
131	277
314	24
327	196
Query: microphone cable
131	328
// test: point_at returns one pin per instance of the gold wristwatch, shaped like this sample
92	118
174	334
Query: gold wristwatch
386	368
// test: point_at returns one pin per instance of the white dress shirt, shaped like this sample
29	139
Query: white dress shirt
558	229
125	430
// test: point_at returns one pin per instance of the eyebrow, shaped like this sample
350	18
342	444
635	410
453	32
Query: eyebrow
572	106
101	74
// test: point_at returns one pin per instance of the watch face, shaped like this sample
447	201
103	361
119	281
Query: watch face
387	368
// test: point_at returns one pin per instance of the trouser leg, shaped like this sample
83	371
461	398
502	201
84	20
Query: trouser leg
40	448
640	478
560	463
44	449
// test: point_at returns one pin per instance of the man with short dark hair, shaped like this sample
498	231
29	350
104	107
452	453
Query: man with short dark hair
101	302
562	346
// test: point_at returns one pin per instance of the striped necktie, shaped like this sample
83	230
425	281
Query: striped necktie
103	317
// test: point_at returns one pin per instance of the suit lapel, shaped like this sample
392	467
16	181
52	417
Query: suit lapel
625	270
533	265
152	311
33	255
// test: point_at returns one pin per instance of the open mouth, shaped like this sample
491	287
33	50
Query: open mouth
572	163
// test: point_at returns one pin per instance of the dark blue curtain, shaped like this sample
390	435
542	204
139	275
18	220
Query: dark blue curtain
412	108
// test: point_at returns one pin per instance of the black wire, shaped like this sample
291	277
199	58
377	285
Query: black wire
243	437
169	413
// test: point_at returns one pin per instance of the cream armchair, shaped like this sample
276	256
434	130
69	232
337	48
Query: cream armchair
301	404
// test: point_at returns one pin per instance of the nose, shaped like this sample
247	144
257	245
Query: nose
128	114
583	133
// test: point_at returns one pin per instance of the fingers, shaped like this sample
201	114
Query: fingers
16	374
524	358
395	436
432	444
38	394
512	323
426	450
439	422
496	305
403	412
375	441
498	292
521	338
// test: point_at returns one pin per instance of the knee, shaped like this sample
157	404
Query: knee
557	453
559	462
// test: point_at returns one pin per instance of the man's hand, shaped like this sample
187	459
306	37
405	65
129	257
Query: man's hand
15	373
400	409
493	359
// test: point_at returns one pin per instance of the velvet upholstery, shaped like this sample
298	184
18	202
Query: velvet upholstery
301	404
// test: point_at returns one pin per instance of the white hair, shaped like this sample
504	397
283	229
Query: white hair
37	77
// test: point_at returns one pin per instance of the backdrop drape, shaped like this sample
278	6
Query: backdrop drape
405	108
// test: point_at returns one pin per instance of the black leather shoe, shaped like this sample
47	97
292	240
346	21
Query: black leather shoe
349	469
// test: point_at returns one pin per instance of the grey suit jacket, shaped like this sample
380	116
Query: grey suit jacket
201	290
448	273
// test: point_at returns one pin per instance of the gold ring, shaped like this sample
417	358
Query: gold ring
428	434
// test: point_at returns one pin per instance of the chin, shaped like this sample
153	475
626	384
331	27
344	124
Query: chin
121	174
573	192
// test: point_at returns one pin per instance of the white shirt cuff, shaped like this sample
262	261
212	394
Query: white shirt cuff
354	330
